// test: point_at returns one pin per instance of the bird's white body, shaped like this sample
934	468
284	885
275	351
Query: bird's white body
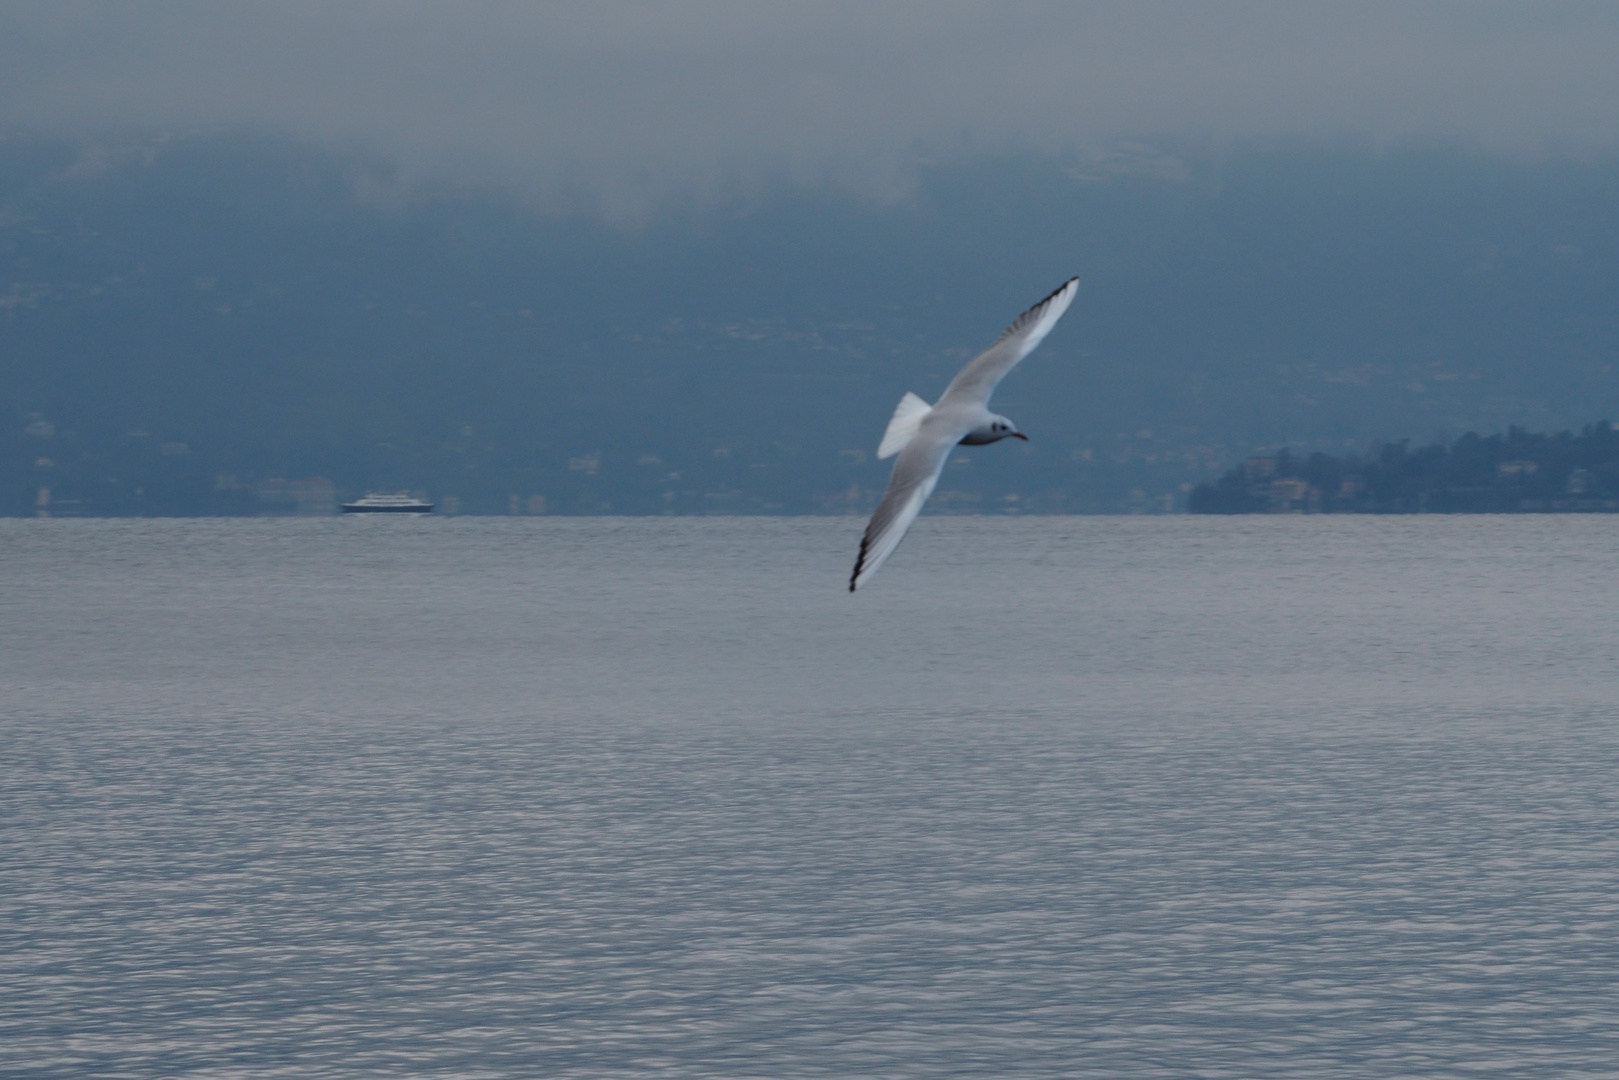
924	435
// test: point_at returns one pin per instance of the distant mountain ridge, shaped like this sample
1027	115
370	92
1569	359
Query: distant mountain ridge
207	323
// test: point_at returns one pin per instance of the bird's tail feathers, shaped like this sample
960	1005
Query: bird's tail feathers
903	427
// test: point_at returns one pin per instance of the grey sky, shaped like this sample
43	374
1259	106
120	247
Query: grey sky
619	105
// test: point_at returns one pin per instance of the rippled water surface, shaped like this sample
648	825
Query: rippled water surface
1078	797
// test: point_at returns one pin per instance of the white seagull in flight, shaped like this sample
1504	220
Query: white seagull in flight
923	435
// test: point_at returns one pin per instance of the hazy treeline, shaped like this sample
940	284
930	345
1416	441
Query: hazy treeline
1518	472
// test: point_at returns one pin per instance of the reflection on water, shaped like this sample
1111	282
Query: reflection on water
1059	797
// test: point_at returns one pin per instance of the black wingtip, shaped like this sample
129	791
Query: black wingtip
1035	309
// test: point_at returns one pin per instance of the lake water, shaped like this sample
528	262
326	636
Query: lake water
1078	797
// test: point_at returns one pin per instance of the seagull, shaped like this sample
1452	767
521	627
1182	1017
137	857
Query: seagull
923	435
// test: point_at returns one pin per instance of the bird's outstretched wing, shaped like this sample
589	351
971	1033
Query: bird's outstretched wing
977	381
915	473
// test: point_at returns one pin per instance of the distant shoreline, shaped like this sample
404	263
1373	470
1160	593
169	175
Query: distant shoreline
1516	473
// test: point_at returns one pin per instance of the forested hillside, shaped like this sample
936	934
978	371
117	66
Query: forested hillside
1518	472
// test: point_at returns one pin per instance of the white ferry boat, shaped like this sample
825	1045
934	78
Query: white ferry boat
377	502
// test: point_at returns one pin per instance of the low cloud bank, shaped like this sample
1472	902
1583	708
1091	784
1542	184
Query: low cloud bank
620	107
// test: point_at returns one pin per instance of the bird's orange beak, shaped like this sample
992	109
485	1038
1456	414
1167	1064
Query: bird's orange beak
1019	435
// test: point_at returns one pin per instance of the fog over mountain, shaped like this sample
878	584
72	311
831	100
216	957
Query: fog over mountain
184	319
629	107
650	257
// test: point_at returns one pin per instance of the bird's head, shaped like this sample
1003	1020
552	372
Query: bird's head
994	429
1002	428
